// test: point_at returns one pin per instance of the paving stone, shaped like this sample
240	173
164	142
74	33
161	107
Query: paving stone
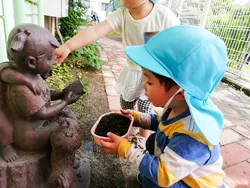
121	61
116	71
116	67
104	56
238	175
116	77
107	73
116	74
113	63
114	103
229	136
228	123
109	81
105	67
244	130
231	120
245	143
229	110
111	91
224	165
234	153
247	111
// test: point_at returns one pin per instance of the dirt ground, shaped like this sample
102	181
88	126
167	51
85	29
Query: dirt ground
106	170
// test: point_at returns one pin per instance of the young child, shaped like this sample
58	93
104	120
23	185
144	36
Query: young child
137	21
184	151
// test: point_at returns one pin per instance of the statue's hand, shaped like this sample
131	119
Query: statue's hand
71	98
34	87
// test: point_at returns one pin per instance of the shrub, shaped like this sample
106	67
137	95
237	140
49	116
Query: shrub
87	57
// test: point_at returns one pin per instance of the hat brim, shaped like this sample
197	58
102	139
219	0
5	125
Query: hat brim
207	117
140	56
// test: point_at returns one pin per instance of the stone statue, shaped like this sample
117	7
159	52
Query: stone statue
7	70
28	119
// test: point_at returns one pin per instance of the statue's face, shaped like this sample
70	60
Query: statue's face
45	61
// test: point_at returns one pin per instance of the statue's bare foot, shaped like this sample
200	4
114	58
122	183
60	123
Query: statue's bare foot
8	153
63	181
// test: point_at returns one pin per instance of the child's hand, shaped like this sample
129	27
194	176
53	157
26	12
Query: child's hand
34	87
126	112
132	113
111	147
61	53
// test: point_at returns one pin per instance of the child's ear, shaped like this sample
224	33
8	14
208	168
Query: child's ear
31	62
180	96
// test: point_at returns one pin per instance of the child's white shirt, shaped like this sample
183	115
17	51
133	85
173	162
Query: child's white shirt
132	31
129	83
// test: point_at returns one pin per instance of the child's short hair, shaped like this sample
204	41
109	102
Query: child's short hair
165	81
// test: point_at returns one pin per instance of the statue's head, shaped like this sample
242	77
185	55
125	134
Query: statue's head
32	46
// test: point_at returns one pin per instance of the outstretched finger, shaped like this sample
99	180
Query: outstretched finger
59	61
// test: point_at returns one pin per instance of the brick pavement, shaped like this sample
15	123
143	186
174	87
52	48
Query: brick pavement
235	139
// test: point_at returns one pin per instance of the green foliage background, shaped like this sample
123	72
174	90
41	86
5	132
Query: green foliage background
79	60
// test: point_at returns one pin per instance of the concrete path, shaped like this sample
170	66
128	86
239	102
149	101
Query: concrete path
235	139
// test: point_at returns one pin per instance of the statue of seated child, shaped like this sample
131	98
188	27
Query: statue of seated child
33	117
7	70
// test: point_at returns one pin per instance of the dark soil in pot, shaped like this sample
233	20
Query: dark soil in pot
114	123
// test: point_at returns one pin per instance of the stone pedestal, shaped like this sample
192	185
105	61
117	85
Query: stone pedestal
30	170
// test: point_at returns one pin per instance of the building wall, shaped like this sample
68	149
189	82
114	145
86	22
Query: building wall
6	24
31	13
28	14
3	56
7	21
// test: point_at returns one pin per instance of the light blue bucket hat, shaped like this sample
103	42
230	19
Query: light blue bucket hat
196	60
